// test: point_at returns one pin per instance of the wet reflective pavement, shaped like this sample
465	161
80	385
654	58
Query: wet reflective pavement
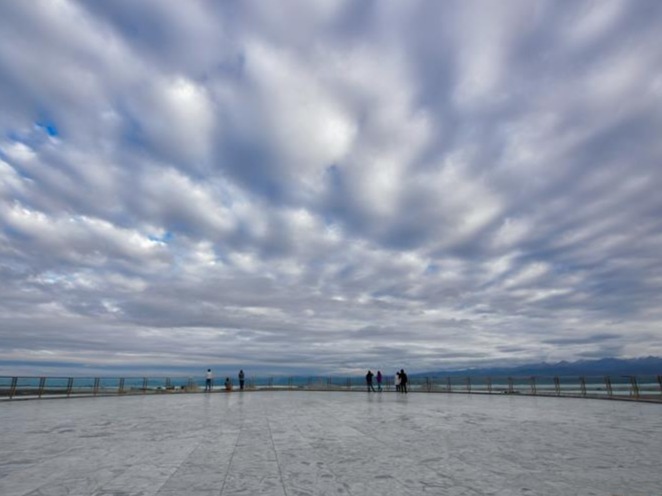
297	443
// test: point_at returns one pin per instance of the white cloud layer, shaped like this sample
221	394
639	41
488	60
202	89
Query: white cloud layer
328	186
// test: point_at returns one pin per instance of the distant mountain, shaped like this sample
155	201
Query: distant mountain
648	366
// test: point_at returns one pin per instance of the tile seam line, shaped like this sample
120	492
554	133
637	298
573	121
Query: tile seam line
188	455
273	445
234	450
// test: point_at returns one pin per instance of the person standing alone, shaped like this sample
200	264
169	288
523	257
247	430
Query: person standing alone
379	381
208	380
241	379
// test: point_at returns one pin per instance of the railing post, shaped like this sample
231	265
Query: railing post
167	383
489	384
468	384
659	381
511	388
120	389
42	384
97	381
145	384
610	391
449	386
12	388
582	385
634	386
428	384
70	386
534	390
557	386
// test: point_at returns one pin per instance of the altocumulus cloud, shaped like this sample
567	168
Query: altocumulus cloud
328	186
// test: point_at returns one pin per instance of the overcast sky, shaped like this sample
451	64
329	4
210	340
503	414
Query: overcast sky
321	186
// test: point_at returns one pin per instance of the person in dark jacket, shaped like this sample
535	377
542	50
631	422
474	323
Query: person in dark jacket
241	380
368	380
403	381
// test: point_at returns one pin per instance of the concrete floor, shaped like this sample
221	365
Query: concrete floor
315	443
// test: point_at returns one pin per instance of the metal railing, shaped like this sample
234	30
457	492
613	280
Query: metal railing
641	388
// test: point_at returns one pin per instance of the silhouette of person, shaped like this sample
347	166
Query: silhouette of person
368	380
228	384
396	381
208	379
241	380
403	381
379	381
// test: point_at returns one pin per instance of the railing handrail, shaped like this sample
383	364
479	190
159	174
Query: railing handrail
542	385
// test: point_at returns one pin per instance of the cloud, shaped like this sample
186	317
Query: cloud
329	186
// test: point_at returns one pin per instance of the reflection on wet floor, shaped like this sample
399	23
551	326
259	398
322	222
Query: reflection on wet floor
308	443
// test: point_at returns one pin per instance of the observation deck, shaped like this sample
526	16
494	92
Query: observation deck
306	443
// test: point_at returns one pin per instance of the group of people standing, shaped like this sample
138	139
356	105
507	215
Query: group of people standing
209	379
400	380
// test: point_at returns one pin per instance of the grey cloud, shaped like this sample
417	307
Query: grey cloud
419	184
596	338
170	35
